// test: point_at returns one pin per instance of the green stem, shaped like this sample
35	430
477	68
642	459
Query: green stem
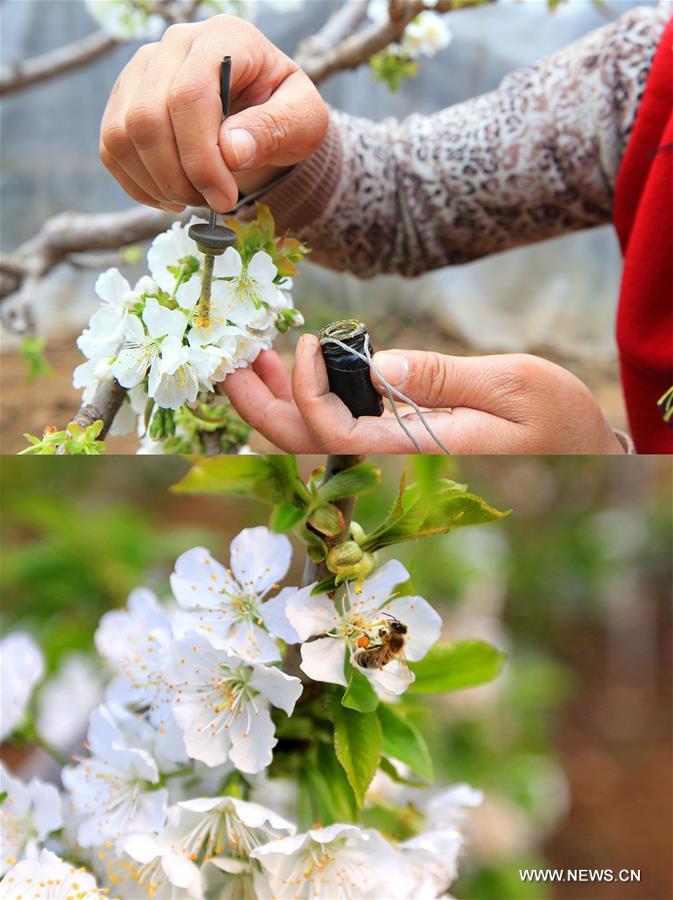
203	308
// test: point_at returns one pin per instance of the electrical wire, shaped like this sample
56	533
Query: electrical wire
391	393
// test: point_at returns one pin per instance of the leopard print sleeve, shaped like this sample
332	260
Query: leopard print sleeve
536	158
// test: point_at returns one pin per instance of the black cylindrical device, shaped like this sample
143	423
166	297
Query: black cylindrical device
348	375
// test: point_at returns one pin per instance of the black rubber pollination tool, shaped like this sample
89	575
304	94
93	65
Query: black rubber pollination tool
349	375
213	239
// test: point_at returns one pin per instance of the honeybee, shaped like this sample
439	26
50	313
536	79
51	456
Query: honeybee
390	645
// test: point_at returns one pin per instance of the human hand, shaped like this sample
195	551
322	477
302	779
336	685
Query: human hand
161	135
512	403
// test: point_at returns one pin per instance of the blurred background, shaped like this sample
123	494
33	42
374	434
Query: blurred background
572	744
557	299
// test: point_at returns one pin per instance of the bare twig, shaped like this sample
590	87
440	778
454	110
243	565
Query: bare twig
343	22
73	232
21	75
105	405
355	49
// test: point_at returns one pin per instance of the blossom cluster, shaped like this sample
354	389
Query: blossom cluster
151	339
425	35
174	796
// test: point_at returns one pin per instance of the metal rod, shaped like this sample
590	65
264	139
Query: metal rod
225	100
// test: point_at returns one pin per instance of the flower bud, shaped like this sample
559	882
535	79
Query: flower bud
343	556
357	532
357	572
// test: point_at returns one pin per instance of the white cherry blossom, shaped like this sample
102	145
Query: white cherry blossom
63	881
21	667
67	699
115	789
433	860
247	295
426	35
170	250
344	622
220	831
451	806
135	642
221	703
142	350
28	814
339	861
226	605
106	326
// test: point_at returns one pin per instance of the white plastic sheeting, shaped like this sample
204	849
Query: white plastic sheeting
561	293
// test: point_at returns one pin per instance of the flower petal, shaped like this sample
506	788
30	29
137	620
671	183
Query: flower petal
111	287
198	579
395	677
161	321
323	660
261	268
423	622
274	616
252	741
310	614
180	871
281	689
228	265
249	641
259	558
378	587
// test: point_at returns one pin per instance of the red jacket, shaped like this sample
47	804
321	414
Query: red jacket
643	217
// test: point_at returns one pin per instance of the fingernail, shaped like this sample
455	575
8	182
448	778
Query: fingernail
171	207
392	366
241	146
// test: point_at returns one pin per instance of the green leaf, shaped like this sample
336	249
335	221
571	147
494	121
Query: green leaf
389	769
224	475
272	478
452	667
417	513
305	815
3	797
327	519
333	795
356	480
359	694
315	546
285	516
326	586
358	743
403	741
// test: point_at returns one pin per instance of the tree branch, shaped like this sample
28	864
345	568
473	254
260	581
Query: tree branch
105	405
355	49
73	232
343	22
23	74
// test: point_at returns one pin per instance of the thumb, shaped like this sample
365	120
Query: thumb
285	130
435	380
